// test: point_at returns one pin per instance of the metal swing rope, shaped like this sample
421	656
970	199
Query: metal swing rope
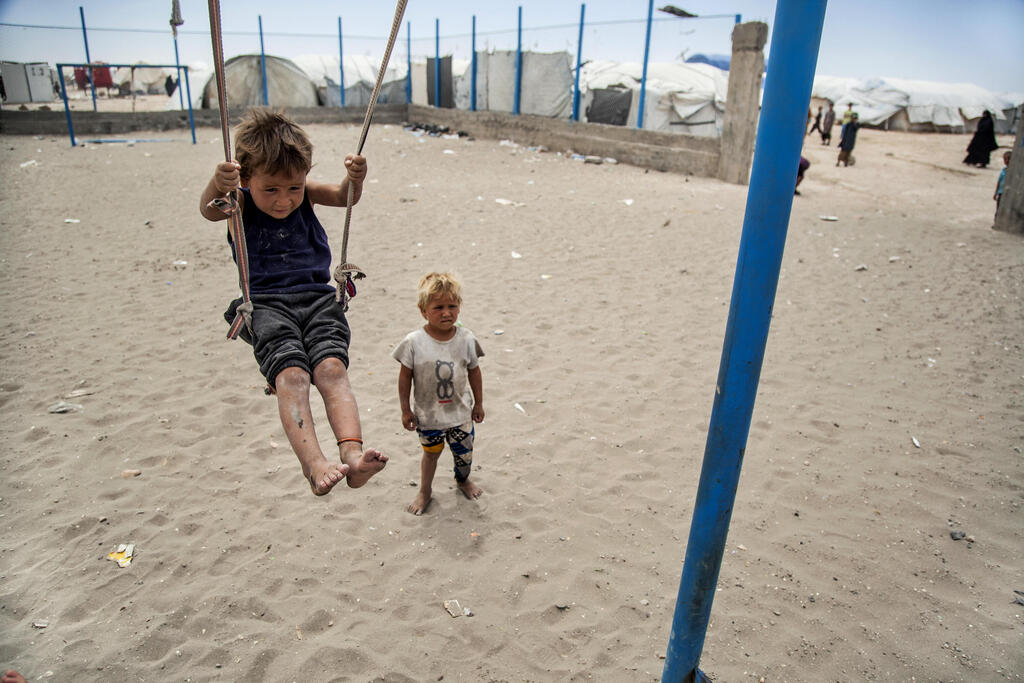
229	204
346	272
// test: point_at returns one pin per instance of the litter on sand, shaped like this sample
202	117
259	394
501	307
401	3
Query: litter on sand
917	444
64	407
829	218
453	607
123	554
519	408
72	220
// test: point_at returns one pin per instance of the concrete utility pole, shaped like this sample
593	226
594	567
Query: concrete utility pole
743	101
1010	217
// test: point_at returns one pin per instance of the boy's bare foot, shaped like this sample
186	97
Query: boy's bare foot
13	676
365	465
469	489
325	475
419	504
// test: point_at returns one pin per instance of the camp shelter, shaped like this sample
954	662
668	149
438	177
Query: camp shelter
360	78
678	98
901	104
31	82
144	80
287	84
546	85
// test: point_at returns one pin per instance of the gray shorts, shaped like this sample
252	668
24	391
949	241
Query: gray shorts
295	329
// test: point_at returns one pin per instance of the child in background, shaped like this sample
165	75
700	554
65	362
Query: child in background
1001	184
299	332
440	365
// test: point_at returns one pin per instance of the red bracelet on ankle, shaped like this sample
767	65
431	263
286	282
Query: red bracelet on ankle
350	438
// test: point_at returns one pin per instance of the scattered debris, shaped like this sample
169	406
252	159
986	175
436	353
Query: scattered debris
829	218
519	408
30	162
75	393
123	554
457	610
128	474
40	624
862	266
499	332
917	444
516	254
627	202
507	202
64	407
957	535
592	160
179	264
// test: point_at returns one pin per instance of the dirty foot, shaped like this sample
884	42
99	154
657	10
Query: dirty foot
419	505
362	466
325	476
469	489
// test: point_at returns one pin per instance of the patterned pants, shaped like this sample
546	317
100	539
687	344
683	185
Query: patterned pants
460	441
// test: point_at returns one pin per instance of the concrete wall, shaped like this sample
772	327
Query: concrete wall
660	151
115	123
743	102
1010	217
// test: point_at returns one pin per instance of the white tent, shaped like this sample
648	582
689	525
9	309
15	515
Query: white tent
287	84
900	104
142	79
360	77
678	98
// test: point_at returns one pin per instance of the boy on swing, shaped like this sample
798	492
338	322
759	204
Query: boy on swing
299	331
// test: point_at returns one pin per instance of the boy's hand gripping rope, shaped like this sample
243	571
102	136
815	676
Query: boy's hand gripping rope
229	203
346	273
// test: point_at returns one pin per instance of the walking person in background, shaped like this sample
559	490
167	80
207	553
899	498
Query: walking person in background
826	125
983	143
817	123
847	140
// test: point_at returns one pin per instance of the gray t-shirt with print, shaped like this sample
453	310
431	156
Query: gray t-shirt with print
440	376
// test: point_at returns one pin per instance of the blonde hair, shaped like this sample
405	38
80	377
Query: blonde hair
440	285
267	141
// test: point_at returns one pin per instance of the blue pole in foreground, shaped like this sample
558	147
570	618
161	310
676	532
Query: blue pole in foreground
263	63
177	63
67	109
579	65
519	61
643	77
787	93
341	64
88	59
191	116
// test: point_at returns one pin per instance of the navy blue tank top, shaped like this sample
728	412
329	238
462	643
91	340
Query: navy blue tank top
288	254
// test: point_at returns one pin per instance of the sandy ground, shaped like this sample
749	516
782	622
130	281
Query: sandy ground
890	415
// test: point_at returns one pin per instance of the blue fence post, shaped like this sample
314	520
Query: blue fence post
579	65
191	117
341	63
263	63
64	96
177	64
408	62
519	61
643	77
472	77
88	60
437	63
794	51
739	18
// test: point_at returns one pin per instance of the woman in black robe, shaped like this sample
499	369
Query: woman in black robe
983	143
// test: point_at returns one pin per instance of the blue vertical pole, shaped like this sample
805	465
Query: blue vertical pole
472	78
519	61
643	77
794	51
739	18
341	64
88	60
263	63
177	63
408	62
64	96
191	117
579	65
437	63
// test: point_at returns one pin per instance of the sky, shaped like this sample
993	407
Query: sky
936	40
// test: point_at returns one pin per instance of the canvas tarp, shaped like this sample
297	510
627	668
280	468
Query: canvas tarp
360	77
678	98
547	83
943	105
287	84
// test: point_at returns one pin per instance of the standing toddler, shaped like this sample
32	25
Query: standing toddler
440	367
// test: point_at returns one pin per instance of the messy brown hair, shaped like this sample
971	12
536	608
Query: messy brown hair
267	141
438	284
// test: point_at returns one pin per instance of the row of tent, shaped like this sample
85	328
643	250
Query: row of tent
685	98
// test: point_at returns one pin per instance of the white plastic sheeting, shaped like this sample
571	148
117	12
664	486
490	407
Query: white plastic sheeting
877	100
360	77
679	98
547	83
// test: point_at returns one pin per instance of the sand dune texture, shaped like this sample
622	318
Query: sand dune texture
889	417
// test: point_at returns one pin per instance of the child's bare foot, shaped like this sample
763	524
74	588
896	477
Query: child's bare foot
469	489
325	475
419	504
364	465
